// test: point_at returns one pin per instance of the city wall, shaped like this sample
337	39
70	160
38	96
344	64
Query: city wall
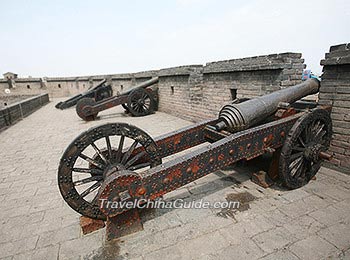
335	91
192	92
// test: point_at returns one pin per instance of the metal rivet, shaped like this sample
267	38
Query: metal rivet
141	191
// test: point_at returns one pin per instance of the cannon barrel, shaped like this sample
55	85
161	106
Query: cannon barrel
99	84
144	84
234	117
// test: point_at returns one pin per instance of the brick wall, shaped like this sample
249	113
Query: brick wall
69	86
12	113
198	92
192	92
335	91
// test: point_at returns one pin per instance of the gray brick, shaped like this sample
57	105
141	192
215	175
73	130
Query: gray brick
304	227
337	235
84	246
281	254
312	248
17	246
57	236
274	239
49	252
203	245
246	250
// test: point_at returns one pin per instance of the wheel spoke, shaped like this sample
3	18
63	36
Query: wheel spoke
307	133
129	152
87	180
134	159
300	170
293	164
301	141
319	134
145	107
93	162
296	155
93	202
120	148
91	189
139	166
109	147
98	151
91	171
316	126
316	129
298	148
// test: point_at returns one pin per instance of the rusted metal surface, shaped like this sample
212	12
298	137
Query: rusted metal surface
175	173
121	171
281	113
99	92
141	100
274	165
124	224
262	178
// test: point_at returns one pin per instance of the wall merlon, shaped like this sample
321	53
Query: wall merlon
340	47
335	90
181	70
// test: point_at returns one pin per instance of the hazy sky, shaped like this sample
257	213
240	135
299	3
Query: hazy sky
70	38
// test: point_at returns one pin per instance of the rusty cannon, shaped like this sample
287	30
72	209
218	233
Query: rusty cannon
140	100
99	92
119	162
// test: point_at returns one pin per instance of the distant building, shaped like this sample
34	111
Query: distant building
10	75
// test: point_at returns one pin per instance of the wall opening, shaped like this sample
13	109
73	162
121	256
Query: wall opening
121	87
172	90
233	93
28	86
59	85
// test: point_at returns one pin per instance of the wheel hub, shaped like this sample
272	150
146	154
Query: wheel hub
141	102
114	168
312	152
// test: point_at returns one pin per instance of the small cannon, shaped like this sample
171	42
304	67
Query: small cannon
97	93
120	162
140	100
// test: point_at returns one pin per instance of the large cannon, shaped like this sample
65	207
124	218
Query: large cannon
119	162
140	100
101	91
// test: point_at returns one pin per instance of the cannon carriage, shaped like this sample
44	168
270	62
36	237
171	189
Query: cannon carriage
101	91
121	162
140	100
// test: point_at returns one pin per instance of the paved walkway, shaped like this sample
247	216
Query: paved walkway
308	223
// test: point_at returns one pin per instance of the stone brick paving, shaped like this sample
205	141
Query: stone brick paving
308	223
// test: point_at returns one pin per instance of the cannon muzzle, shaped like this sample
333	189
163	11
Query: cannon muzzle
235	117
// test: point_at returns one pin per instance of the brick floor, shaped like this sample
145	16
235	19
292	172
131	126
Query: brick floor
308	223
